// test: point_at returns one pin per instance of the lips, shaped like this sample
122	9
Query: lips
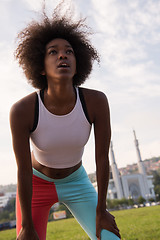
63	65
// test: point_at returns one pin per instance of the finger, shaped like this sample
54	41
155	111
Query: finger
116	232
115	225
98	234
112	216
114	221
116	228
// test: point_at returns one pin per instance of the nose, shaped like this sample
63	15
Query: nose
62	56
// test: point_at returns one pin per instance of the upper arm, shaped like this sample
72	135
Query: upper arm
21	118
99	114
102	129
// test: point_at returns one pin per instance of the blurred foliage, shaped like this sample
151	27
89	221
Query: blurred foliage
8	212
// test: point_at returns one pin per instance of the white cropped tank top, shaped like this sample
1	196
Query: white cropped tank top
58	140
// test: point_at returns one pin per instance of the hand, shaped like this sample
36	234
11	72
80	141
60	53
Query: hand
105	220
27	234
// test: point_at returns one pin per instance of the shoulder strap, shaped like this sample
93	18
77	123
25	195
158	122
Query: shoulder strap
36	114
42	95
81	96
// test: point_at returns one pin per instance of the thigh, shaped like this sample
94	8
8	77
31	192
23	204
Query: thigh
82	203
44	195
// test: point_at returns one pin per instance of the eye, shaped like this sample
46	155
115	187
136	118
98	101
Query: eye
70	51
52	52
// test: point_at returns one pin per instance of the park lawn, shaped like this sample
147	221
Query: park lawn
134	224
139	224
67	229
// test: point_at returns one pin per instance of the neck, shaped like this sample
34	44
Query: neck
60	93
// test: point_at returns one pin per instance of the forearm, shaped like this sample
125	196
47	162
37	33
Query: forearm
102	182
102	132
25	196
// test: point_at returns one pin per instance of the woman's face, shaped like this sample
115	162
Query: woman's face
59	61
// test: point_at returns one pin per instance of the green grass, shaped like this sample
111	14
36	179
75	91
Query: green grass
139	224
67	229
134	224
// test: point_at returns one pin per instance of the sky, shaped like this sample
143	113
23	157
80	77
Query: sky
127	37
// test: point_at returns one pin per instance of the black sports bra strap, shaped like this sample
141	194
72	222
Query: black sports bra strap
81	96
42	95
36	114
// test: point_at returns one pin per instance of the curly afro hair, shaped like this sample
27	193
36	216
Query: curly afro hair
30	51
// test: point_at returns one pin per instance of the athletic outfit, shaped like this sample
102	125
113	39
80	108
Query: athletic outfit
58	142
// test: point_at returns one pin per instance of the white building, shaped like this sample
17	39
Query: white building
5	197
131	185
3	200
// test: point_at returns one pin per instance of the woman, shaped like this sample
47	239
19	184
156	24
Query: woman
57	57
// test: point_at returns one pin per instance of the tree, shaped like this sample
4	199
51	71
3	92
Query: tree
10	207
156	182
141	200
157	192
113	203
123	202
8	212
130	202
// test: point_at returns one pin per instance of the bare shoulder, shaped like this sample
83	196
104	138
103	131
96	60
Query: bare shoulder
24	104
23	110
96	102
94	95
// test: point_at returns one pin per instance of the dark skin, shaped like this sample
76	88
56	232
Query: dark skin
60	99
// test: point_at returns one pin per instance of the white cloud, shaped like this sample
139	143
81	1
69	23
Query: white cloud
125	30
34	5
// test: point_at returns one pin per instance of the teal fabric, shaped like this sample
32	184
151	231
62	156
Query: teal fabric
78	194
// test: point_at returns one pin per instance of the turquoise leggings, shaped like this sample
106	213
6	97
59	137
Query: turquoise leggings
75	191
